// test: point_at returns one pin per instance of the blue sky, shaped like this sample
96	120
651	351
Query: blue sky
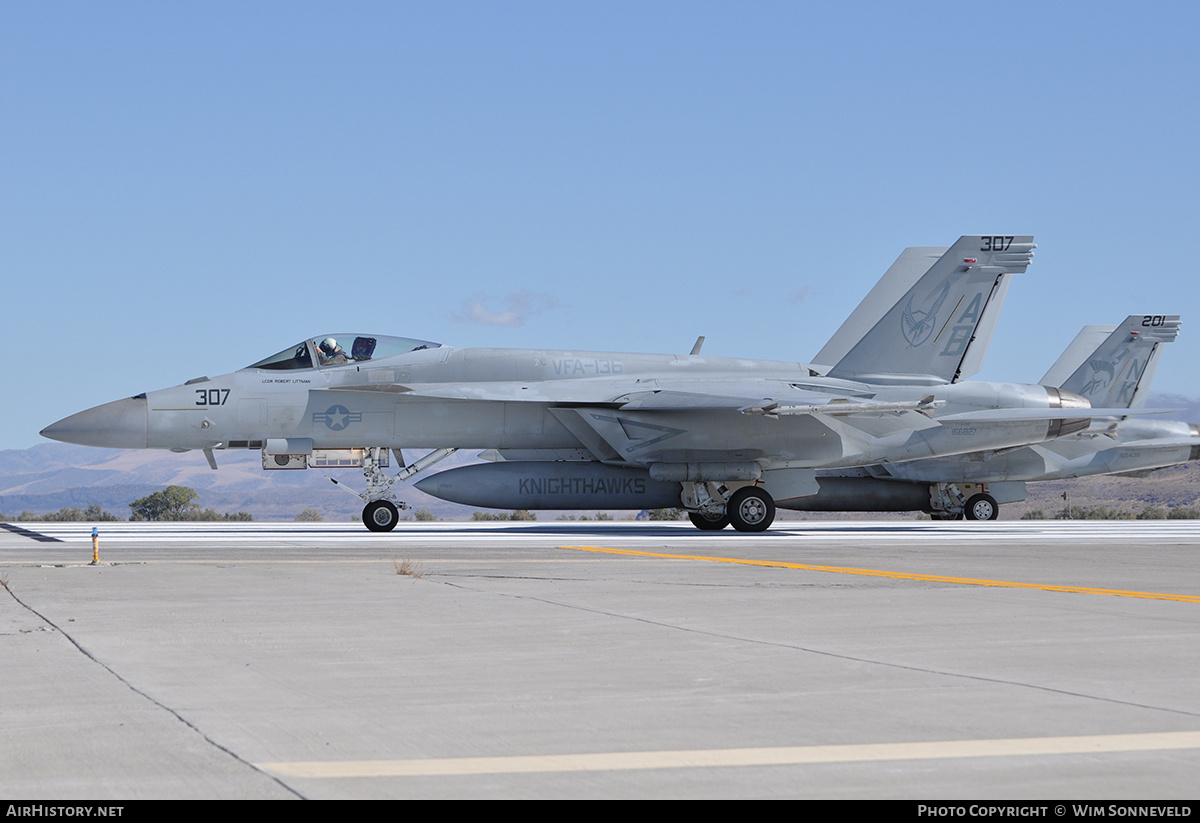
187	188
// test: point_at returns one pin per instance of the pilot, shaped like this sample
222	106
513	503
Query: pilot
331	353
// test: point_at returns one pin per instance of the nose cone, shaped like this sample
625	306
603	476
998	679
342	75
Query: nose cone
117	425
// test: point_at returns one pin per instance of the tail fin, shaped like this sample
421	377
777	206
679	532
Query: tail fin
1116	371
940	328
895	283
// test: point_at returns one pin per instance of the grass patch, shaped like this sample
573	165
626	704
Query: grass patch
407	568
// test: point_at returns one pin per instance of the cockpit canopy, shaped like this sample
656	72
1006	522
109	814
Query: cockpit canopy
340	349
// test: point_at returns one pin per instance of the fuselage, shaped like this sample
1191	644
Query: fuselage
432	396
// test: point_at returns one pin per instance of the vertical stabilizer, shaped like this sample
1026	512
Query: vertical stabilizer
1117	372
895	283
940	327
1076	354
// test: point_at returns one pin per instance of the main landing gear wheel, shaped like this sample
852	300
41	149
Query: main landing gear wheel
381	516
750	509
982	507
707	522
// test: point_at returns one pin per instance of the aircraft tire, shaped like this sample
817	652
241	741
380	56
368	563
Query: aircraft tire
751	509
982	507
705	523
380	516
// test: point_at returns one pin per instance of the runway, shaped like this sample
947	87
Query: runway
923	660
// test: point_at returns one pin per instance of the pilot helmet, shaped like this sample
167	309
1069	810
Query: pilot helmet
329	345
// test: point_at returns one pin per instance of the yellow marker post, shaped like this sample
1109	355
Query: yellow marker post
95	545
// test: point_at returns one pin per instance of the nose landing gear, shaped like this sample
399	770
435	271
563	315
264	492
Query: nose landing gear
382	512
381	516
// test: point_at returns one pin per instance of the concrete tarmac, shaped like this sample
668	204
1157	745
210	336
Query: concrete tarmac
923	660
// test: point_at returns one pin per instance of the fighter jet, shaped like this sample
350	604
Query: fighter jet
722	438
1112	366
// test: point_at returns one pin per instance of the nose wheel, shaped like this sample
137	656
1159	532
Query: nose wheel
380	516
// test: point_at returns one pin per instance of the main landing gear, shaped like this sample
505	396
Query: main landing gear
708	522
982	507
950	501
748	509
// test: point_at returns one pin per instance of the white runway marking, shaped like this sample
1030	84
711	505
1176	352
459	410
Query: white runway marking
717	758
884	532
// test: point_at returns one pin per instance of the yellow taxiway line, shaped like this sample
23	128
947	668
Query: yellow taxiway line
935	578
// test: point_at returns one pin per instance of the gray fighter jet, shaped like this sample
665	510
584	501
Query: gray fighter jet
723	438
1112	366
